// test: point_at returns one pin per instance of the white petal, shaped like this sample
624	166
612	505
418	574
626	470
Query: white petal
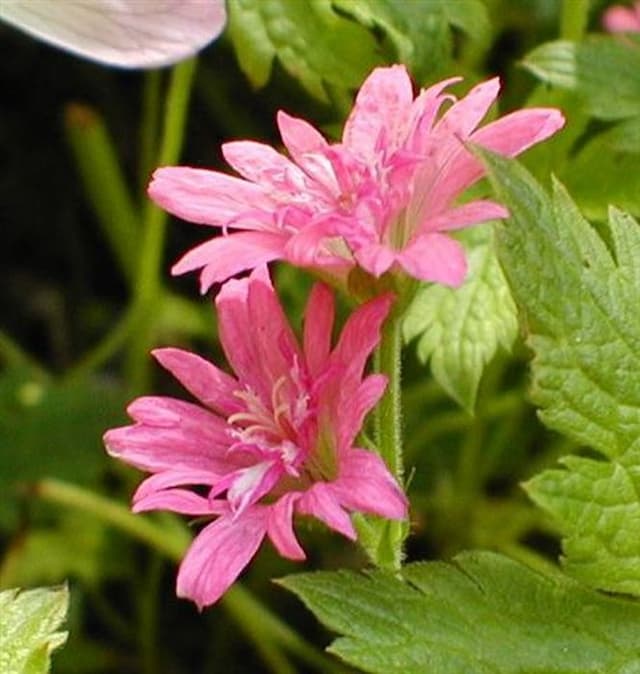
125	33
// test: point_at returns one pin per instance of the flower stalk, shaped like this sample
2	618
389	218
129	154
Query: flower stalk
148	281
388	434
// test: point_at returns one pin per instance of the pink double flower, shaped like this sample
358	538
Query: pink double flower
275	440
383	198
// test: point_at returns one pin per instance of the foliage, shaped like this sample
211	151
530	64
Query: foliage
525	376
482	612
29	622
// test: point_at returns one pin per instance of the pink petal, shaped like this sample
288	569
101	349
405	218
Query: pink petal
206	197
261	164
361	333
318	325
218	555
320	502
225	256
435	257
380	112
465	115
509	136
471	213
280	528
276	346
307	248
234	329
366	485
174	478
171	434
619	19
201	378
512	134
353	410
376	258
298	136
424	111
255	334
123	33
181	501
250	484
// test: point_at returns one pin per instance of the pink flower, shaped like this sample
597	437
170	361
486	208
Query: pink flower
274	441
123	33
620	19
384	198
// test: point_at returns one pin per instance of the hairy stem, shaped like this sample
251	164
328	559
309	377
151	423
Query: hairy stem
388	431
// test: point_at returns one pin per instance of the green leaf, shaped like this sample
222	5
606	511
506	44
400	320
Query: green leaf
312	42
604	70
29	621
420	32
484	613
579	298
460	330
606	171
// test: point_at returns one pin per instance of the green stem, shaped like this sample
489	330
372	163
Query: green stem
251	616
107	347
149	127
388	431
148	282
148	614
574	19
104	183
389	410
12	354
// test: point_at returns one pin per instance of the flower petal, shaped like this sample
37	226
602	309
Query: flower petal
182	501
250	484
124	33
280	528
620	19
376	258
318	325
435	257
320	501
299	137
366	485
352	408
509	136
171	434
173	478
218	555
361	333
225	256
201	378
261	164
381	111
465	115
276	346
206	197
471	213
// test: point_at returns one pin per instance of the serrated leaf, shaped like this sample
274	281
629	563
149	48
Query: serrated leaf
420	32
312	42
459	330
607	171
579	299
29	624
483	613
604	70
